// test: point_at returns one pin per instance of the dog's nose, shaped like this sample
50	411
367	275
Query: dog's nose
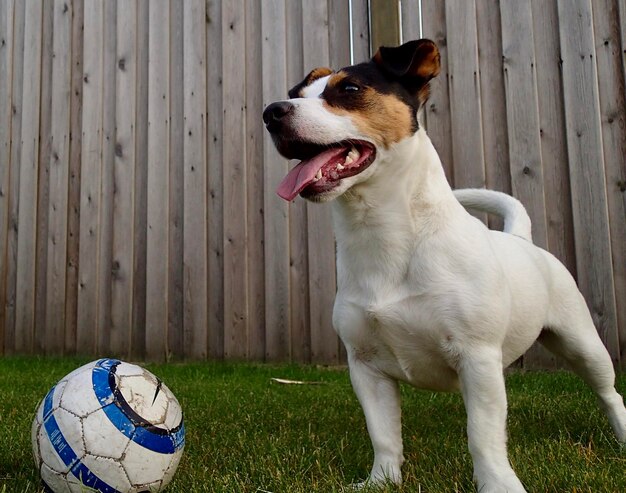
276	112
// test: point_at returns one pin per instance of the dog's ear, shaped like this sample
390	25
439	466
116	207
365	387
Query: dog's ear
414	64
419	58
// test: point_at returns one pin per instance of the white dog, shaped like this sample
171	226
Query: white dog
426	293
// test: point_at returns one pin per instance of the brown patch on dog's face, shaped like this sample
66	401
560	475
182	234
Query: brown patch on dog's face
387	120
380	109
316	73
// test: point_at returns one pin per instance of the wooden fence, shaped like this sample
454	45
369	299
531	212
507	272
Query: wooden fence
137	209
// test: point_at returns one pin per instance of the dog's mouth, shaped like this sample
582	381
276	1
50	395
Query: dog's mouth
324	166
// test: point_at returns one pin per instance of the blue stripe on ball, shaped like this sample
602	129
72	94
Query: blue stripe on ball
144	434
66	452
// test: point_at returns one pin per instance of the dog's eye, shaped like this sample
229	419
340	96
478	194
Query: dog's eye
350	87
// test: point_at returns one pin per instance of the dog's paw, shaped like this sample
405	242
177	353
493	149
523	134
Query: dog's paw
376	485
362	486
368	486
504	486
498	481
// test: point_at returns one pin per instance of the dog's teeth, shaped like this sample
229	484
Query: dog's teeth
318	176
340	167
349	159
353	154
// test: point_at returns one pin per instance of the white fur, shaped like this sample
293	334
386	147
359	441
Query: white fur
429	296
315	88
516	220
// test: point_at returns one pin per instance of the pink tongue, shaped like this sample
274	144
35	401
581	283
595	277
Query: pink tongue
304	173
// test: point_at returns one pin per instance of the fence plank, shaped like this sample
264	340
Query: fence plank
28	171
6	101
339	33
124	180
215	151
195	181
105	237
622	187
339	46
523	114
176	330
138	342
438	117
254	180
43	182
612	92
465	97
14	195
73	219
90	189
494	103
235	206
360	31
584	142
622	23
59	160
324	344
410	15
158	181
522	111
560	234
384	23
296	341
16	150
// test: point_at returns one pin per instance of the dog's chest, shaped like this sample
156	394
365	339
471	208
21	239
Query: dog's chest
389	310
395	329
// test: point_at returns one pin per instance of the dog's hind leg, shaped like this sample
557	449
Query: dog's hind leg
379	396
482	386
589	359
572	336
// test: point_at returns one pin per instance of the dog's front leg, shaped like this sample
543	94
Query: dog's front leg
379	396
482	385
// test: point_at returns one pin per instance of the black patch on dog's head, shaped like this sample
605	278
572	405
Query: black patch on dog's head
354	87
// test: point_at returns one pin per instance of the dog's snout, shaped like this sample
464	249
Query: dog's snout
275	112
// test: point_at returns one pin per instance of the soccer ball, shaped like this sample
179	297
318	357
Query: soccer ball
108	426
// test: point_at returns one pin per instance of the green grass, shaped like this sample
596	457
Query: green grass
247	434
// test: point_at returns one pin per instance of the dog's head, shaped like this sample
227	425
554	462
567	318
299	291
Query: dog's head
341	124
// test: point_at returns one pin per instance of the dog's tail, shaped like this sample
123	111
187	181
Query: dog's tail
516	220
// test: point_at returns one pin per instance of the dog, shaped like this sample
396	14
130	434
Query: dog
426	294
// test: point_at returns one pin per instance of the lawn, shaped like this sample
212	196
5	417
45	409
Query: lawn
246	433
